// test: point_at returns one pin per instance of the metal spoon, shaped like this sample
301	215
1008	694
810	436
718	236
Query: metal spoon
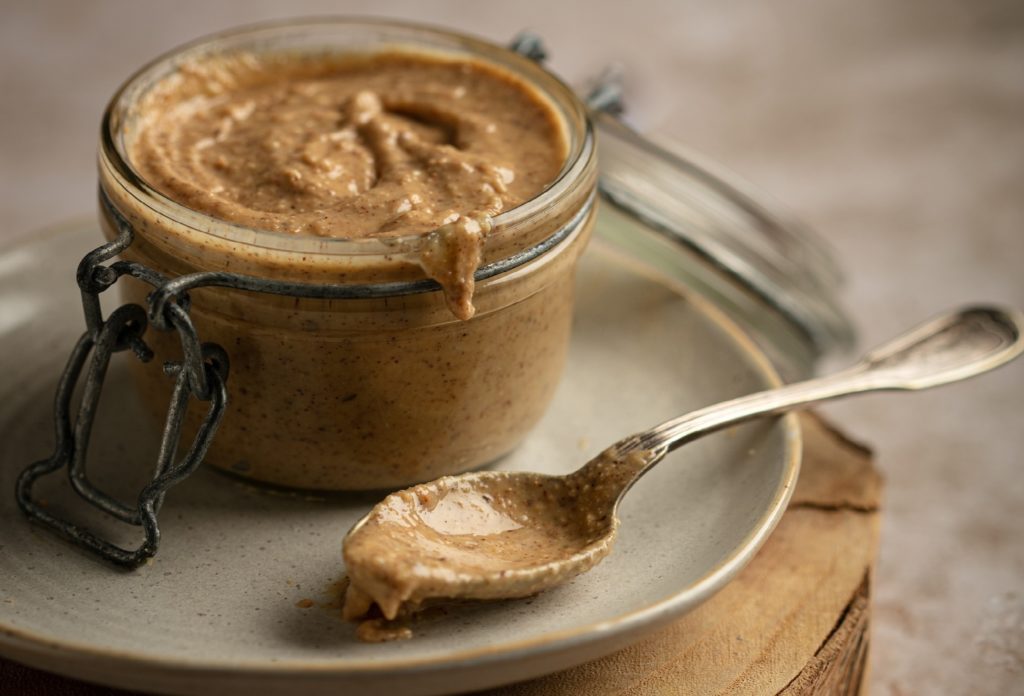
512	534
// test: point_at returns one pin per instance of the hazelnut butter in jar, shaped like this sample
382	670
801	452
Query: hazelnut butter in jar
440	186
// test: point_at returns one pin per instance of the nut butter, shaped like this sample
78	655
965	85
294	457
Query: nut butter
361	154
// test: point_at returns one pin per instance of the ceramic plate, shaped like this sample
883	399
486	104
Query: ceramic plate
220	609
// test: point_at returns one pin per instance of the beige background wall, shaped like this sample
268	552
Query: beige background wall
894	128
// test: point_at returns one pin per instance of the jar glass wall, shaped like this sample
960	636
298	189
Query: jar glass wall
373	392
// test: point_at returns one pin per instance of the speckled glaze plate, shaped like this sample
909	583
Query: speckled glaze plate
221	609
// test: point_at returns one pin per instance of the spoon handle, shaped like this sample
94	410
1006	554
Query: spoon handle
946	349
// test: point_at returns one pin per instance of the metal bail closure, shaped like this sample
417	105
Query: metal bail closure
202	372
122	330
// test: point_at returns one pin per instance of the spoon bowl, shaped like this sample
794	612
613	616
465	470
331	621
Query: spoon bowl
485	535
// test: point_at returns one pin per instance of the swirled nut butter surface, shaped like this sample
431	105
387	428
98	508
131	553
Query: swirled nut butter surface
390	144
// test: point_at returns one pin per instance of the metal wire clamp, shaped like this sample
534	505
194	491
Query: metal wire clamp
201	374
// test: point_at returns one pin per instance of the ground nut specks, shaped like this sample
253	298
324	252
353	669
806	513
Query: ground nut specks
490	535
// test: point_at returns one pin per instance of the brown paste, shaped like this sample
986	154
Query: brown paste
387	145
483	536
355	393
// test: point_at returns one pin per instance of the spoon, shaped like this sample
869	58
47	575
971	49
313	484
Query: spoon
500	534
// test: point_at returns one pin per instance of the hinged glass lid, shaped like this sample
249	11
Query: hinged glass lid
772	274
689	218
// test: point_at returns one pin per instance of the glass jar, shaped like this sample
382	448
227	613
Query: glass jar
385	387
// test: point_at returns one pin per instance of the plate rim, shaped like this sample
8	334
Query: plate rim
24	645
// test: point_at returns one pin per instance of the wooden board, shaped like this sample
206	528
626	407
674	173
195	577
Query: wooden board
795	621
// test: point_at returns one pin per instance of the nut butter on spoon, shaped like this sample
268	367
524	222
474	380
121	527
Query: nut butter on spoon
492	535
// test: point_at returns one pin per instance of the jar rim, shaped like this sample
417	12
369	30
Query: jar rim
562	98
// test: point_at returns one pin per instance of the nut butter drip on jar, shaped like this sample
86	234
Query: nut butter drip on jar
384	145
380	387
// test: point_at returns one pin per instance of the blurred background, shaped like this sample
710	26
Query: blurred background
896	130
